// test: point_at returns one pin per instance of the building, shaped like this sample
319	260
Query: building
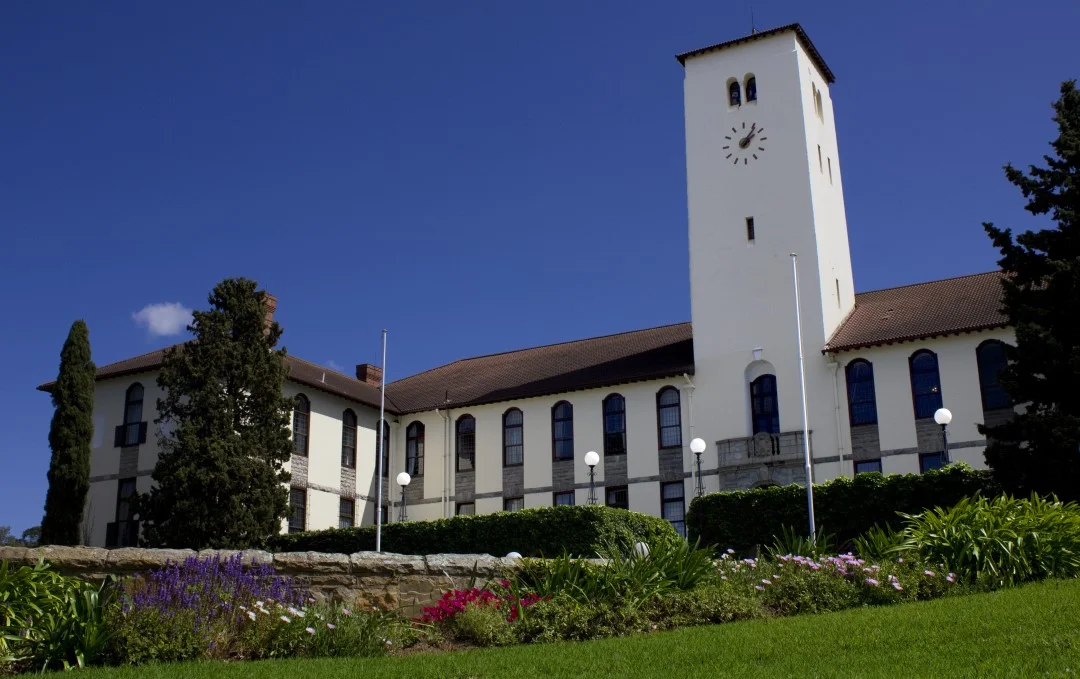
510	430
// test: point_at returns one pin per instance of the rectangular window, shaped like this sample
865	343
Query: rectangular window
829	160
862	466
673	507
466	509
124	492
346	513
617	496
384	513
820	165
750	229
563	499
928	461
837	292
297	510
562	431
513	504
124	532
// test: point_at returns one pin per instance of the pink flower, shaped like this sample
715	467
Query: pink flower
759	588
872	582
951	577
331	625
346	611
929	573
897	587
766	582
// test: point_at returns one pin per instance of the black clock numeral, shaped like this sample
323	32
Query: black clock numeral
754	155
727	137
736	162
760	149
744	161
726	147
760	129
764	138
734	131
727	156
744	126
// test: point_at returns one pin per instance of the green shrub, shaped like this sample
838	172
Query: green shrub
705	605
578	531
747	519
565	618
50	621
482	623
879	543
1000	542
793	543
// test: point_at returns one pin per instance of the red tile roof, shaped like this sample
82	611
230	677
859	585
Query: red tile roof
582	364
800	35
922	310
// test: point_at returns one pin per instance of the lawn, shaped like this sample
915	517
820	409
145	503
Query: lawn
1027	631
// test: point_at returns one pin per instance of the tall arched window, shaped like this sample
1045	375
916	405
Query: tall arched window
764	409
513	438
751	89
925	383
466	443
991	358
133	431
386	449
614	425
862	403
668	418
348	439
734	95
301	419
562	431
414	449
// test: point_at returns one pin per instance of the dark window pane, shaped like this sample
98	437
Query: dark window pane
617	496
466	443
563	499
562	431
674	508
513	504
297	510
669	418
513	438
862	403
765	414
925	384
347	514
414	449
868	466
466	509
928	461
992	360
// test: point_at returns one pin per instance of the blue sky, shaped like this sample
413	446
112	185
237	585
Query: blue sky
475	176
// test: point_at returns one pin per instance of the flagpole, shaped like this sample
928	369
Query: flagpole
382	443
802	387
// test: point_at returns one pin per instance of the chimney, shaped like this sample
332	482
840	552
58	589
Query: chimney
270	304
371	374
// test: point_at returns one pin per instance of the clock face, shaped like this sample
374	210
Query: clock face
745	144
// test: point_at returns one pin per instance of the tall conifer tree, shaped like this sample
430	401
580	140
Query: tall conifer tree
70	434
1039	450
220	479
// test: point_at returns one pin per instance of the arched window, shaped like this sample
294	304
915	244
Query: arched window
348	439
386	449
668	418
414	449
751	89
991	358
862	404
133	431
466	443
925	383
301	418
513	438
614	425
734	95
562	431
763	407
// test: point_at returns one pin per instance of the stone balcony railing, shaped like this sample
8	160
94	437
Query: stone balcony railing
762	448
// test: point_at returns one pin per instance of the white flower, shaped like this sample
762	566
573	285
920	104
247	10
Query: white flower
285	619
251	614
258	604
309	630
331	625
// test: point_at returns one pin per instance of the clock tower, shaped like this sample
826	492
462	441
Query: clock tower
763	181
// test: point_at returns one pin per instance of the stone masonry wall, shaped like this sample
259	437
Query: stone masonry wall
389	581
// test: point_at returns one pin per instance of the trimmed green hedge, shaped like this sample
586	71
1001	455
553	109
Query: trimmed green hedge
844	507
545	531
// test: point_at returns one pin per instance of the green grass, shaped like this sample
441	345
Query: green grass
1028	631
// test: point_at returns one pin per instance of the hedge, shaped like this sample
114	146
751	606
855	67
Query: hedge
544	531
846	508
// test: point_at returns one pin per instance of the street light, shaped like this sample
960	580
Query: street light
943	416
403	480
592	459
697	447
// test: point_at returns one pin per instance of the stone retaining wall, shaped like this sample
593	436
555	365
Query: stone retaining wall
389	581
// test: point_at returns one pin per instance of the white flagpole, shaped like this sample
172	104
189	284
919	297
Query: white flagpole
382	442
805	418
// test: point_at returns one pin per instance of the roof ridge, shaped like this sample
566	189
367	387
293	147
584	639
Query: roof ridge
937	280
539	346
132	358
323	367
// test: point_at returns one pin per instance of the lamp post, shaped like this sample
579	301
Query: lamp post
403	480
592	459
697	447
943	416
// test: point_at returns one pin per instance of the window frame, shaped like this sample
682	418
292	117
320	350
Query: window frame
923	457
460	505
295	508
608	490
132	430
876	460
555	438
994	396
774	414
459	436
679	525
348	459
750	89
344	517
934	395
734	94
563	493
298	400
851	385
508	502
660	426
414	449
610	450
520	428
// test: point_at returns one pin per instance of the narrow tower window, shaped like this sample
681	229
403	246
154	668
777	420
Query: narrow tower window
750	229
837	291
821	166
734	96
751	89
829	160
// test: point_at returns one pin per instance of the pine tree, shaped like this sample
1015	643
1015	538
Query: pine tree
220	479
1039	450
70	435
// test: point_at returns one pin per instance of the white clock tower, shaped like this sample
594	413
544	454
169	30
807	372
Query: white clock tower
763	181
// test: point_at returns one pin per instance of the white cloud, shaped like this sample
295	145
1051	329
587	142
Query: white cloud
162	320
333	365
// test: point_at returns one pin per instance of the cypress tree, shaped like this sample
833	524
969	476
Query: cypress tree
220	479
1038	450
70	435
